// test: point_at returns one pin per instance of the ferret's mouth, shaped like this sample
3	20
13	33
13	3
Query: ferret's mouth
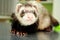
29	20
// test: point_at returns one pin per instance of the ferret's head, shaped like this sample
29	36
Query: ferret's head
26	14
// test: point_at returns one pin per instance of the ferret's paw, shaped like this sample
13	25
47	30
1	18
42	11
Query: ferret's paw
24	34
13	31
21	34
48	29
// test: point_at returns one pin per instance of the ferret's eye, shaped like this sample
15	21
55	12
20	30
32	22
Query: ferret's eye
35	14
22	14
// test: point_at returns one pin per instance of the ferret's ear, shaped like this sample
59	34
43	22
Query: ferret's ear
18	6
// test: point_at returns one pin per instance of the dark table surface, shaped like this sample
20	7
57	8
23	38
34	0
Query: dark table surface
5	34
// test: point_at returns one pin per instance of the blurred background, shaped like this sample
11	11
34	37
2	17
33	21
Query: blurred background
8	6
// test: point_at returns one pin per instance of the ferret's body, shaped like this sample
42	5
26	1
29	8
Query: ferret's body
32	17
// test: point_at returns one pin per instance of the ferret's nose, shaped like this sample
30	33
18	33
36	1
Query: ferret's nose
29	17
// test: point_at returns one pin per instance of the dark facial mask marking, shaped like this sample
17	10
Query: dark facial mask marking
22	14
35	14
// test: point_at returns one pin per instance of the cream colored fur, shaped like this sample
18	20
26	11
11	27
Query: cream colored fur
44	18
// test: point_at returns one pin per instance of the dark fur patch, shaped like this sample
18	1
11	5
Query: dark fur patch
28	29
22	13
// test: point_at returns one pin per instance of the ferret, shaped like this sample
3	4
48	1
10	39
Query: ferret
32	17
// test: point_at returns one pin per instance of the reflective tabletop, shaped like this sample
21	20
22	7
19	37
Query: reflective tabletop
5	34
